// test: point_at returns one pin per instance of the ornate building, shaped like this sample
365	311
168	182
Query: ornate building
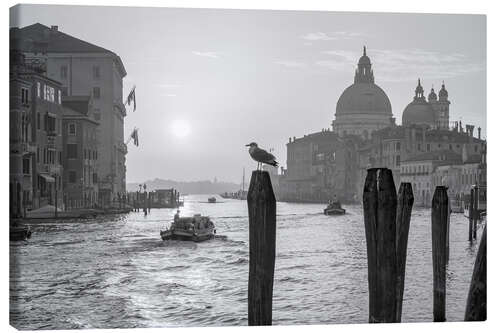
363	107
434	113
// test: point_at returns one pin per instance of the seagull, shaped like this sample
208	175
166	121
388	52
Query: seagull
261	156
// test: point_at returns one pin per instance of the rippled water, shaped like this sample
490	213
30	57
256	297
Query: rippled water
117	272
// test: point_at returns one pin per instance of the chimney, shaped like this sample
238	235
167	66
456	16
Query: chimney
54	28
479	133
289	140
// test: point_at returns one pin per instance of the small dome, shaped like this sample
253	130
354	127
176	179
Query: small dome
364	98
432	95
418	113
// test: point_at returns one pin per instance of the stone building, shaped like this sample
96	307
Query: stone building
21	145
85	69
363	107
80	154
319	166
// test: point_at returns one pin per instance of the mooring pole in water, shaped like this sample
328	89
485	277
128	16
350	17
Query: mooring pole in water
471	212
476	210
439	230
475	309
403	217
379	208
262	239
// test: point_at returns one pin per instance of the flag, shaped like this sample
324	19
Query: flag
131	97
135	136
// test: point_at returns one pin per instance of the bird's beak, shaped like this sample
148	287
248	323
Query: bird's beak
248	145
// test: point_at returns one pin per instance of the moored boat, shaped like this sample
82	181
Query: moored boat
334	208
212	200
18	232
197	228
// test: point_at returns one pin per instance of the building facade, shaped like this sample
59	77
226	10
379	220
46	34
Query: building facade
80	154
85	69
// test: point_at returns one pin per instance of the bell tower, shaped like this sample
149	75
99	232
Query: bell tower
442	109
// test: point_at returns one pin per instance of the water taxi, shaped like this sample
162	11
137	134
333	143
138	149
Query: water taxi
334	208
197	228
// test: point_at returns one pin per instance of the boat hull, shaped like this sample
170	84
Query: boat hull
336	211
19	233
184	236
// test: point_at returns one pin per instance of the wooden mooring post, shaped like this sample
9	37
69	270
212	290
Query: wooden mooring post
475	309
471	214
403	217
439	231
476	212
262	239
387	222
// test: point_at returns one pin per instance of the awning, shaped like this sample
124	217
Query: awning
47	178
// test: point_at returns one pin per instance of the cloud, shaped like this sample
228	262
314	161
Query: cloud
168	85
399	65
208	54
171	95
337	35
290	64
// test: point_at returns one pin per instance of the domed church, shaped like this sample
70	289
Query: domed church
434	113
363	107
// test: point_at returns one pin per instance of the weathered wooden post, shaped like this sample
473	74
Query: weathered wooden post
262	239
476	211
475	309
471	212
439	230
379	207
403	216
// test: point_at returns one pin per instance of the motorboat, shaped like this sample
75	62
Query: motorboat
334	208
212	200
197	228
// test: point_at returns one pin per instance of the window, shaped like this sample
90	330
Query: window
94	177
451	147
398	160
398	146
96	92
96	72
72	176
64	72
72	150
97	116
475	148
59	93
50	126
419	147
72	129
24	96
26	166
428	147
49	94
65	91
38	89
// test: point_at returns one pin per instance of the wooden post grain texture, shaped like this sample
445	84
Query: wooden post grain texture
379	208
403	216
475	309
439	230
262	240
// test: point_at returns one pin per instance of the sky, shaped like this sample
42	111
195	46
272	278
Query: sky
210	81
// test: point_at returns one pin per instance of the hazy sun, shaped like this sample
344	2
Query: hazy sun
180	128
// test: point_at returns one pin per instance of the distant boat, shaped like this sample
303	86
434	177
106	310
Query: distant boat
197	228
212	200
481	201
334	208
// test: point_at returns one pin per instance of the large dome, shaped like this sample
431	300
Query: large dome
418	113
364	98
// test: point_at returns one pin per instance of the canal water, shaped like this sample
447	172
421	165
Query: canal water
116	272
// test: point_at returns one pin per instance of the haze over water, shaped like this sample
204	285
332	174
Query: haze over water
116	272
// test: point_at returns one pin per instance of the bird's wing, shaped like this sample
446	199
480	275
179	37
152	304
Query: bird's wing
260	155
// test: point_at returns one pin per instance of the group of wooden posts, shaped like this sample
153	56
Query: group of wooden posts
142	200
387	216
